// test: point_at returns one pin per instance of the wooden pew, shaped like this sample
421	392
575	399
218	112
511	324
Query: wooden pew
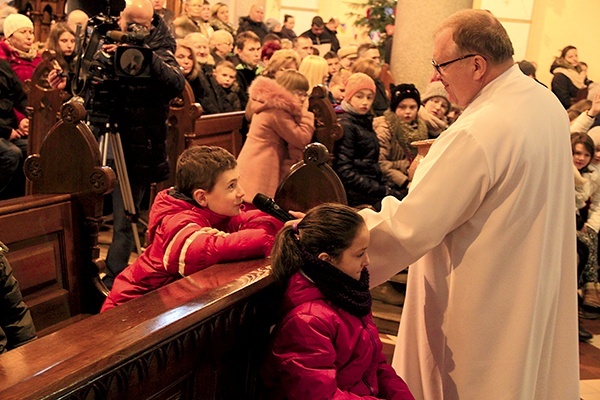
201	337
327	128
52	234
221	130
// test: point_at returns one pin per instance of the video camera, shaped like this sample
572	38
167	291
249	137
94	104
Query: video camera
94	65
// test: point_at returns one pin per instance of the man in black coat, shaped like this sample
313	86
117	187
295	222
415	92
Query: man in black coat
254	22
139	107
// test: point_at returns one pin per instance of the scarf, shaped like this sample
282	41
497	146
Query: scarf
568	70
26	55
405	133
341	289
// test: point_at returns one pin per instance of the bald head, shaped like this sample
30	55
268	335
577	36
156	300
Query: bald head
77	17
257	13
137	12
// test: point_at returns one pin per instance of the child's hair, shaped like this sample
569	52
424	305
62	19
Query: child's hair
293	80
367	66
315	69
340	77
280	59
199	167
244	38
586	141
329	228
329	55
183	43
225	64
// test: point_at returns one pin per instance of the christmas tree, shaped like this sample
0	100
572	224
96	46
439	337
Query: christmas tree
377	14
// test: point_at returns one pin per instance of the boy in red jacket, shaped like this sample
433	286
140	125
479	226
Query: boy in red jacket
197	223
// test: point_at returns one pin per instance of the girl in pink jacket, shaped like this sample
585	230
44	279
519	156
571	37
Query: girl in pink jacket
326	345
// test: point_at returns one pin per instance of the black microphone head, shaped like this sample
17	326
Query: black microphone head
262	202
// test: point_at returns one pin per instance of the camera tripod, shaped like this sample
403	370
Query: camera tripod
111	137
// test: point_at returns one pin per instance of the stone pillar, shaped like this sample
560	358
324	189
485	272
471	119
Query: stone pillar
413	40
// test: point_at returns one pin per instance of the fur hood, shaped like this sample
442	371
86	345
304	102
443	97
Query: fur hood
266	93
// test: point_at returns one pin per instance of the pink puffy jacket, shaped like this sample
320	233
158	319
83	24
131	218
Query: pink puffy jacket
320	351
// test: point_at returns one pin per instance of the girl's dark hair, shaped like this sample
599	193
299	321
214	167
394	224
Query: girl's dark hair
329	228
586	141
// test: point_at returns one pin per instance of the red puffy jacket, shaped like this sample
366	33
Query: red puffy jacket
320	351
181	244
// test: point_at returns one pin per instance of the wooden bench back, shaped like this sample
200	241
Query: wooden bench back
327	128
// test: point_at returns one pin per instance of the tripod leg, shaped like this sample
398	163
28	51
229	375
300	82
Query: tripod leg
128	202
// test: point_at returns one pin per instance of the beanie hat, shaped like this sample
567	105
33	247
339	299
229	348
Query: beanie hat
357	82
348	51
404	91
435	89
14	22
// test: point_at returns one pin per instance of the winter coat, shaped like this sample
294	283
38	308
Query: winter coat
287	34
141	106
12	98
181	244
246	24
321	351
218	25
381	103
279	131
16	325
568	84
23	67
213	98
184	25
395	151
357	160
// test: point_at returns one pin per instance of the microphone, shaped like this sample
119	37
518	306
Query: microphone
268	205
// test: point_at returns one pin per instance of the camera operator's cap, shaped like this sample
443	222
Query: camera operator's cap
14	22
348	51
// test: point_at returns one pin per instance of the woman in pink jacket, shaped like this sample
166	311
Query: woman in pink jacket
281	126
326	345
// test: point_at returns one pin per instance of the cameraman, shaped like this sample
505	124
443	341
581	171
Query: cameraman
140	111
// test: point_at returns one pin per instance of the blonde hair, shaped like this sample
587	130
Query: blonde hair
293	80
340	77
196	68
367	66
280	59
220	36
315	69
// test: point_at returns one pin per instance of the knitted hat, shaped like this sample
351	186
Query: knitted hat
14	22
357	82
404	91
435	89
348	51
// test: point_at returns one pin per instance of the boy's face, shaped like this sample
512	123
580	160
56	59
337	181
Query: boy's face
225	76
333	65
362	101
226	196
337	91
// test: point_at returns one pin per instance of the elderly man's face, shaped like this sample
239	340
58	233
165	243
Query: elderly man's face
457	77
193	8
257	14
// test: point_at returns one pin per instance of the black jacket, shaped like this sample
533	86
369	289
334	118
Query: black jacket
16	325
381	102
213	98
141	107
246	24
11	97
356	161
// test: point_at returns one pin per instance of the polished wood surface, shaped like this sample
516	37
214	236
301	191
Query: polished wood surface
310	182
201	337
221	130
327	128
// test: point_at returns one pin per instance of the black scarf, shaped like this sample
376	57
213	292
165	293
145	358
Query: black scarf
342	290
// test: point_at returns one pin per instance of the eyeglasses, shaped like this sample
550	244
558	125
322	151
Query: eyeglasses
302	95
438	67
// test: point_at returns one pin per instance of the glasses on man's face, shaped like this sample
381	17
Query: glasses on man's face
438	67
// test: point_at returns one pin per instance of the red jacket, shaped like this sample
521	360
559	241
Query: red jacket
180	245
23	67
320	351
